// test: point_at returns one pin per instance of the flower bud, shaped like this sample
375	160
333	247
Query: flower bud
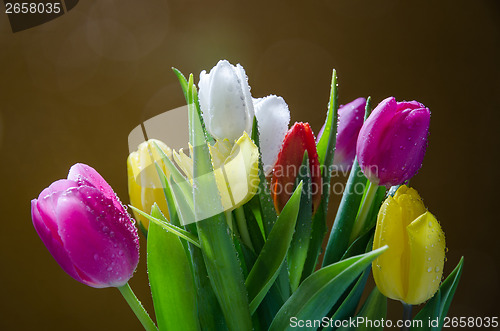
86	229
391	144
273	118
298	139
144	185
350	121
225	101
411	268
236	170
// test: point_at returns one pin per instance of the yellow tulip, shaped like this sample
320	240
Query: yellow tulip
144	185
236	171
410	270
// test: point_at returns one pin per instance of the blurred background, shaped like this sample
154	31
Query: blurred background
72	89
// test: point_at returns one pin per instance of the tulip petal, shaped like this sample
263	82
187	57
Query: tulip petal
220	152
370	134
387	270
402	105
58	185
402	149
298	139
236	171
86	175
225	101
47	202
245	91
48	232
101	240
144	184
427	246
242	170
273	118
185	163
411	204
350	121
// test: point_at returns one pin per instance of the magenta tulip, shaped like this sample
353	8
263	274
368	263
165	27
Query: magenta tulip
86	229
351	118
391	144
350	121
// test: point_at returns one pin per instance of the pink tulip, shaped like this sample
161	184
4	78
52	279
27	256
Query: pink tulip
391	144
350	120
85	227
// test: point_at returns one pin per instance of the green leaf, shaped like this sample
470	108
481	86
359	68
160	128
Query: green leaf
317	235
209	311
428	315
326	143
254	228
172	209
374	309
180	187
371	219
348	306
346	216
169	227
359	246
448	289
219	253
268	212
442	299
297	253
170	278
272	256
182	81
319	292
224	272
192	98
326	150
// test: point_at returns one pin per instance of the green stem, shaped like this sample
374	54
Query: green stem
137	308
406	316
363	211
242	227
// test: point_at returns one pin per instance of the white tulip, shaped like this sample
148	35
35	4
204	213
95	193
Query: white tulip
273	118
225	101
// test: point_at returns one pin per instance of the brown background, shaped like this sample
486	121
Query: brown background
72	89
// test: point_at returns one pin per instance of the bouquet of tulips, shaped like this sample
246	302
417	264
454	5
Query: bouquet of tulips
235	224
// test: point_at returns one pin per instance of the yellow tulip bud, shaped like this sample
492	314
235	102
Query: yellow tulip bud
411	268
144	185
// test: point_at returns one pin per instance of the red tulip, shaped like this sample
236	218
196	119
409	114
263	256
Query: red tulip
288	166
